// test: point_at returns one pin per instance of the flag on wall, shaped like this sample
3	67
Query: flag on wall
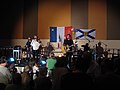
57	34
68	30
85	33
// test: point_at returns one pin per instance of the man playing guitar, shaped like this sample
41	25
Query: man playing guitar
68	44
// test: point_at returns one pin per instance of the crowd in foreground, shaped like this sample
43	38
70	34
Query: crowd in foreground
83	74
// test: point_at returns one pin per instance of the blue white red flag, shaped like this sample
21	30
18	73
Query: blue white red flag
57	34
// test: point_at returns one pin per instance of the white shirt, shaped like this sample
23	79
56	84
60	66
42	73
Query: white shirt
35	69
35	44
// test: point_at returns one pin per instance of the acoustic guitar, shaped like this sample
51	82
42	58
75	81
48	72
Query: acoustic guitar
66	48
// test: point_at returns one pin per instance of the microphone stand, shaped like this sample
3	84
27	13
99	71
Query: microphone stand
88	40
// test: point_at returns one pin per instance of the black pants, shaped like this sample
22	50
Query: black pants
36	55
69	58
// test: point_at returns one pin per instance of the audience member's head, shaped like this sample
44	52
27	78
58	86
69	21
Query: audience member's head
42	83
14	70
52	55
43	71
27	68
61	62
17	79
107	66
3	61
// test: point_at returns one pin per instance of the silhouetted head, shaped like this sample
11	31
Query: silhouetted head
99	43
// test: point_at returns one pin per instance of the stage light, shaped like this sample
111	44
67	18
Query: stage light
60	55
43	62
10	60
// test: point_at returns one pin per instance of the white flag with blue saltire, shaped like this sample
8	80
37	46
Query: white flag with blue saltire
85	33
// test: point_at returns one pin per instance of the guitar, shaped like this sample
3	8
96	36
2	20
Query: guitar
66	48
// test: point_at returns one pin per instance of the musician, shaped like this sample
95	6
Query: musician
40	47
99	50
28	47
35	47
68	43
49	48
86	47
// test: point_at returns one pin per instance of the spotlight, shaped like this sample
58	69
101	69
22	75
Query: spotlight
43	62
11	60
60	55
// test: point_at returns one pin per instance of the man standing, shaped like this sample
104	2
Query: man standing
99	50
5	75
35	48
49	48
68	43
28	48
50	64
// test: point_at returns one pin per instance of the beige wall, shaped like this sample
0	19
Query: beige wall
53	13
58	13
97	17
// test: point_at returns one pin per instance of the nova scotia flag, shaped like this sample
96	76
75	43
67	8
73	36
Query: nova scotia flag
85	33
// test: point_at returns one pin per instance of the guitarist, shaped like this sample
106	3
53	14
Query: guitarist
68	43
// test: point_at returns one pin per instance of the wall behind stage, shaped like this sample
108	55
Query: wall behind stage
53	13
113	19
97	17
103	15
22	18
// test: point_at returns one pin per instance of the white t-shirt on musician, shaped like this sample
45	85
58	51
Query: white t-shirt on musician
35	44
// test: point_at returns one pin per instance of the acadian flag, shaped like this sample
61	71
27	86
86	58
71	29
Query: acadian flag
85	33
57	34
68	30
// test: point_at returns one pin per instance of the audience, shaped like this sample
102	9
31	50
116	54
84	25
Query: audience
27	77
76	80
86	73
42	82
59	71
108	80
16	85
